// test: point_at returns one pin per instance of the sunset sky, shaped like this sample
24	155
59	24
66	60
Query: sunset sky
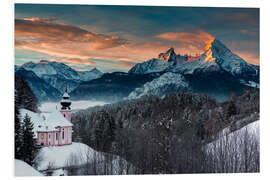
114	38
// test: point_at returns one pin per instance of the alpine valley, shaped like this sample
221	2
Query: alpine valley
217	72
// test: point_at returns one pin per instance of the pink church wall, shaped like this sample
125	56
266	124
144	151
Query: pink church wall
50	138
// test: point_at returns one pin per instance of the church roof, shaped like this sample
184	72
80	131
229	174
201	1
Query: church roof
45	122
57	119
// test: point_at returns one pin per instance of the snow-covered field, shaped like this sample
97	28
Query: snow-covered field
58	158
75	105
24	169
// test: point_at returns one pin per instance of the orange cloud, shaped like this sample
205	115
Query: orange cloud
196	39
43	31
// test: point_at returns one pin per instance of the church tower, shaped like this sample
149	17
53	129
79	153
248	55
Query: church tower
65	109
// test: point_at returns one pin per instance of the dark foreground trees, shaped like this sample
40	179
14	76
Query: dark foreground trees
24	146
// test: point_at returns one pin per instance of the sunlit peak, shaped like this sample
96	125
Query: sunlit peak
208	51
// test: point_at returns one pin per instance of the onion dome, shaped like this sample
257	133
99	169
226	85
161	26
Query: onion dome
65	102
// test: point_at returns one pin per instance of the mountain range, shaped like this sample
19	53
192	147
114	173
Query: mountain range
49	79
217	71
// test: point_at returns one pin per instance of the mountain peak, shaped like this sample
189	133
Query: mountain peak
169	55
212	50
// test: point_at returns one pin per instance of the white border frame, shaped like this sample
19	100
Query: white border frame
7	85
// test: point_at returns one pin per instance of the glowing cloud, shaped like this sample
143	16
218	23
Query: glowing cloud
196	39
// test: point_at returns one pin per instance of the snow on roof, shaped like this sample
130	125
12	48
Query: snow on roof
24	169
66	95
45	122
57	119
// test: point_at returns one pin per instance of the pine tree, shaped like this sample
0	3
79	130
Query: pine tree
28	147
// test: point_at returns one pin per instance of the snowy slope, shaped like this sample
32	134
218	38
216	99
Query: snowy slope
194	67
229	61
76	154
167	83
24	169
150	66
57	156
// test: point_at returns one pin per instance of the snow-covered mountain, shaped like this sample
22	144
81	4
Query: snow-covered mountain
216	72
166	83
60	75
217	57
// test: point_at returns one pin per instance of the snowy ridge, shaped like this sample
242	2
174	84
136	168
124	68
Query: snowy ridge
150	66
168	82
55	68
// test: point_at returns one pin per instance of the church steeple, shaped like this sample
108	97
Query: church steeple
65	103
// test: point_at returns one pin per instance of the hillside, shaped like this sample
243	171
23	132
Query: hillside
149	131
79	159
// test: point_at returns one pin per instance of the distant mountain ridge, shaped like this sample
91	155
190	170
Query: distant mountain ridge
54	75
